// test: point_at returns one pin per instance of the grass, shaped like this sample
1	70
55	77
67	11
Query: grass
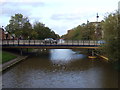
6	56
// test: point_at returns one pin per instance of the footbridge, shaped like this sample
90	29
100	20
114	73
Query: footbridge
61	44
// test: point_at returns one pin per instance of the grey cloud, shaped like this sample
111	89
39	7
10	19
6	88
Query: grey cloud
11	11
11	8
65	17
34	4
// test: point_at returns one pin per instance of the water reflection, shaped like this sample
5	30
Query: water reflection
60	68
64	56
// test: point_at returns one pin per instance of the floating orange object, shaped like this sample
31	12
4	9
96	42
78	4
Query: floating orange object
104	57
92	57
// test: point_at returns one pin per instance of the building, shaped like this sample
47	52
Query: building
98	30
2	34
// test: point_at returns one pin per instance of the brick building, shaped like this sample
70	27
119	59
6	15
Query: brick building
98	30
2	34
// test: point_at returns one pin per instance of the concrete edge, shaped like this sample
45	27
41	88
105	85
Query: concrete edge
12	62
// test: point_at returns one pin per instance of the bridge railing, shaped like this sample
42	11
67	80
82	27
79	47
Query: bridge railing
41	42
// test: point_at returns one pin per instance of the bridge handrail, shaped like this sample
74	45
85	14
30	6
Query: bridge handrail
41	42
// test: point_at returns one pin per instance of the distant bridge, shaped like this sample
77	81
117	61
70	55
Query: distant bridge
61	44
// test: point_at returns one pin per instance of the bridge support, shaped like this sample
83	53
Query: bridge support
91	52
27	50
21	53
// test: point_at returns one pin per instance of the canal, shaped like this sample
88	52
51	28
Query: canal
60	68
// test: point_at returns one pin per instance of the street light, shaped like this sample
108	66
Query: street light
97	17
97	35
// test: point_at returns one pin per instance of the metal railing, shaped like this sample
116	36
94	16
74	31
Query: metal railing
42	42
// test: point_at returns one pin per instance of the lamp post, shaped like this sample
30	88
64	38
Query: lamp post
97	32
97	17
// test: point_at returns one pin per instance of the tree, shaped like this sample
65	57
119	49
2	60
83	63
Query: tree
110	27
43	31
19	25
81	32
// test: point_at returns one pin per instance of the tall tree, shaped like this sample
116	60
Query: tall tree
19	25
81	32
43	31
110	27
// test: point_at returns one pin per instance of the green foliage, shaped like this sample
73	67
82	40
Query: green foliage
7	56
110	27
21	27
43	32
81	32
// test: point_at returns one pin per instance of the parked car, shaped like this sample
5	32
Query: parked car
101	42
50	40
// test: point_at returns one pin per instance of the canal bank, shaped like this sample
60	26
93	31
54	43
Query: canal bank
16	53
12	62
9	59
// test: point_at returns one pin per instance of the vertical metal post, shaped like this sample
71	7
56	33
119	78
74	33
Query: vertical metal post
13	42
7	42
89	42
23	42
29	42
18	42
94	42
34	42
40	42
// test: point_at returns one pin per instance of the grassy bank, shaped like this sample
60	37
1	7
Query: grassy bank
6	56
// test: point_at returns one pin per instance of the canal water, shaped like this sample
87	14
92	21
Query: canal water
60	68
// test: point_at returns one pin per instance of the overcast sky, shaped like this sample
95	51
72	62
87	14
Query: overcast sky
59	15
